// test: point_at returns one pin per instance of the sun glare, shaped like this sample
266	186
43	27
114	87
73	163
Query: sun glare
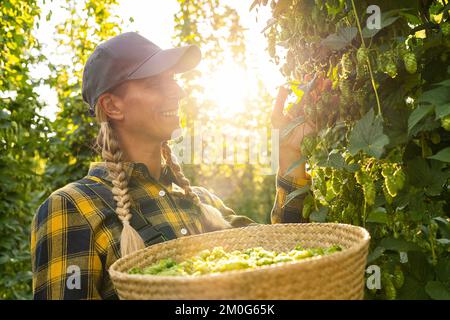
229	87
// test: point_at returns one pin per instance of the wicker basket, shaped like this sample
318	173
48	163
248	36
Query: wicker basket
336	276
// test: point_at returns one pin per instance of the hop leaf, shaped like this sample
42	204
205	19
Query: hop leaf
367	135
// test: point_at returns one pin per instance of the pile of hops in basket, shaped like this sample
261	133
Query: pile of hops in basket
218	260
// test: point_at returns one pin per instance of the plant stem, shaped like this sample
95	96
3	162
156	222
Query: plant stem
364	214
368	60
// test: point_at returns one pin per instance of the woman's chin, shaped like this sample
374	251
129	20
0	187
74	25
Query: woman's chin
172	126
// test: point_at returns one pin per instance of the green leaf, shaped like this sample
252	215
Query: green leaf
367	135
443	155
443	241
336	160
437	290
427	176
399	245
368	33
341	39
319	216
254	4
418	114
445	83
271	22
281	6
387	18
296	193
295	165
375	254
377	215
436	96
442	110
443	269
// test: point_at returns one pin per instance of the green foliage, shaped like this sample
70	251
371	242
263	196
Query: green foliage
38	155
380	156
22	141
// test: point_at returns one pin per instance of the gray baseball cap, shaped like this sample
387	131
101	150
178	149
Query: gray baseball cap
131	56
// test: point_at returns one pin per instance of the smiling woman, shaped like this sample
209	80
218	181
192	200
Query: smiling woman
138	195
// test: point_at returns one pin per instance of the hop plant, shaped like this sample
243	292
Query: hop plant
368	186
345	88
445	122
394	179
389	288
346	64
362	55
307	145
445	27
391	69
399	279
410	62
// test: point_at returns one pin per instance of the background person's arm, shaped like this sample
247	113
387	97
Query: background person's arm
289	152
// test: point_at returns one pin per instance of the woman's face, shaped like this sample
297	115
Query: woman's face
149	106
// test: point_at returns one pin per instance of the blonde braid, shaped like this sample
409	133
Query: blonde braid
109	148
212	217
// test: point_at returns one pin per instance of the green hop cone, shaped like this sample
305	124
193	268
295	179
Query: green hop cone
402	49
399	178
410	62
344	86
445	122
360	98
445	27
391	187
388	197
362	55
346	64
391	69
399	278
335	184
435	138
367	185
394	180
389	288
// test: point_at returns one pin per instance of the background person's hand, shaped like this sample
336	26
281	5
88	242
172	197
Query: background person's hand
289	148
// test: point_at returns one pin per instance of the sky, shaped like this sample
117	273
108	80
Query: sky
154	20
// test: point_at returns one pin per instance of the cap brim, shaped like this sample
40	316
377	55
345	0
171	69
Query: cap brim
180	59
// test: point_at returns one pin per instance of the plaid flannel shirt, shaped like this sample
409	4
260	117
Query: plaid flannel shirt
75	231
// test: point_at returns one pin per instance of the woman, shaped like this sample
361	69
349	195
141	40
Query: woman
138	195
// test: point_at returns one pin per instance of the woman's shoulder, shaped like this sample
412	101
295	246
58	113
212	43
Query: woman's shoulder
66	197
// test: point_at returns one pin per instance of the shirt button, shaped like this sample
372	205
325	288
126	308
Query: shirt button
183	231
162	193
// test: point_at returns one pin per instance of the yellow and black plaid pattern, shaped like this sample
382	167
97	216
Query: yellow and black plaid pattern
75	232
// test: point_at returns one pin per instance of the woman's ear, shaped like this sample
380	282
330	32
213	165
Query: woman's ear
111	106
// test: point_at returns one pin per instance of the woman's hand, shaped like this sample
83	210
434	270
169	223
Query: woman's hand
289	148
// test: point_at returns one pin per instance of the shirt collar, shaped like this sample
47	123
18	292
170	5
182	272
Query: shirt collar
135	170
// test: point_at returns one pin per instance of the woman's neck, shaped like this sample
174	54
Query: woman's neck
148	153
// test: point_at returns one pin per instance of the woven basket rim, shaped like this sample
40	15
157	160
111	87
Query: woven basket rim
230	273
